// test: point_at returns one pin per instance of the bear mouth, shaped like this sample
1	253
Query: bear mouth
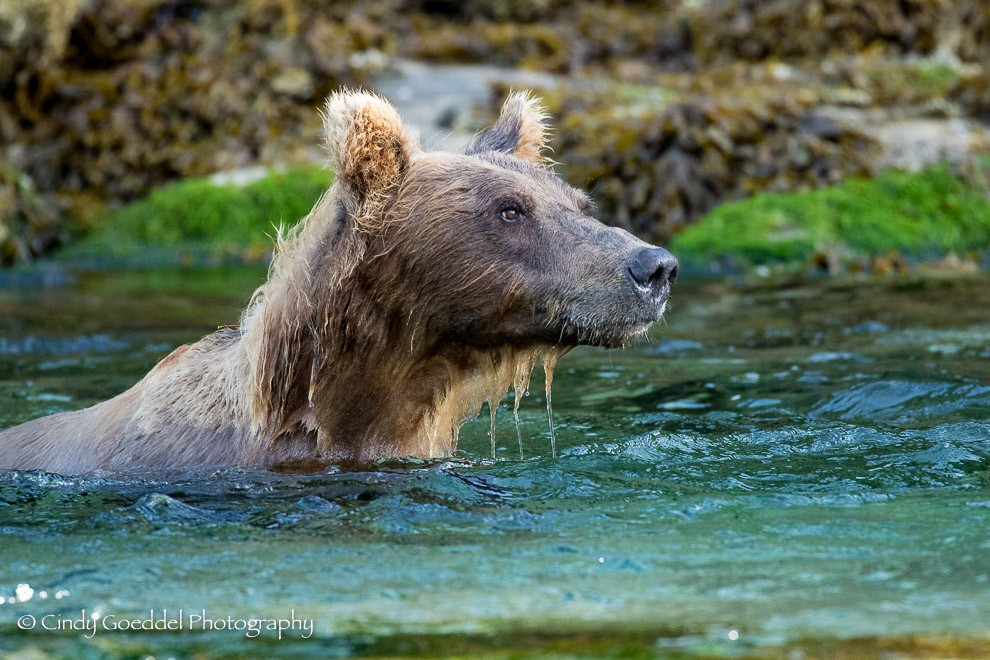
614	330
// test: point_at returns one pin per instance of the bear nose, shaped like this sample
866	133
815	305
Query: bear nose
652	269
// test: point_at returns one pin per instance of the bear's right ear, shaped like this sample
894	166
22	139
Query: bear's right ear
366	144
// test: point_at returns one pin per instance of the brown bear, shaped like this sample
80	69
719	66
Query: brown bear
420	286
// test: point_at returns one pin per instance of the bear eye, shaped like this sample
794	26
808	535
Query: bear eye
511	214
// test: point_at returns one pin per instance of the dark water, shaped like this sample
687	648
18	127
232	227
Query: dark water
790	471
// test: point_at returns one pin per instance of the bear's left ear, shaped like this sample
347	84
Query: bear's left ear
522	130
366	144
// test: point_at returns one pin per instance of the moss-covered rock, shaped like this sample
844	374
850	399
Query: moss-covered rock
203	219
925	215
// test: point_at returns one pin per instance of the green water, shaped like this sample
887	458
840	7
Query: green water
787	469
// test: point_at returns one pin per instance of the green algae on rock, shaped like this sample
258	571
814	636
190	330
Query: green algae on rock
926	214
204	218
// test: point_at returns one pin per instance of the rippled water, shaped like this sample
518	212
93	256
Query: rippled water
789	468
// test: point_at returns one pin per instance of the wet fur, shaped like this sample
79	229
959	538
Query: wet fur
349	353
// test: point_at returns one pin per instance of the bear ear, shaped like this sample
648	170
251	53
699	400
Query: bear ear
522	129
366	144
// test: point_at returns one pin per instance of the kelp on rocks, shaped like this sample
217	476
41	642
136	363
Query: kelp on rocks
655	167
28	221
812	29
559	36
101	100
566	36
972	93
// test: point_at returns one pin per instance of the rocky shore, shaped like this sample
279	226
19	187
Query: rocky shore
666	110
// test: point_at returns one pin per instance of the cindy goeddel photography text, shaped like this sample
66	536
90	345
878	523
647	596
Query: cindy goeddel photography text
94	622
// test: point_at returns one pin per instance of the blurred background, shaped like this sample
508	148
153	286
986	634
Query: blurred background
670	112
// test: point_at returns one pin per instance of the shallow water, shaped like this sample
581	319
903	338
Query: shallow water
788	468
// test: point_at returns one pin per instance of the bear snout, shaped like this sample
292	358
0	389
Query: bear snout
652	271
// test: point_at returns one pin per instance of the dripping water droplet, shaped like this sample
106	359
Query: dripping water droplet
515	418
491	410
520	383
549	362
553	434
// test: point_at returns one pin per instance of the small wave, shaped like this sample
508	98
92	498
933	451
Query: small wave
902	401
161	509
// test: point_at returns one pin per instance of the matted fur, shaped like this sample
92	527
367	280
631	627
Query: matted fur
391	314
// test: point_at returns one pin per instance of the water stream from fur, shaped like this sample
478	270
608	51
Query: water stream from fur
492	412
808	466
549	362
548	357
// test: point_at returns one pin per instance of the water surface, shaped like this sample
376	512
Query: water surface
787	468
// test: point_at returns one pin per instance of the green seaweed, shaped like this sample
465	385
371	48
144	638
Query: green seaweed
932	212
204	218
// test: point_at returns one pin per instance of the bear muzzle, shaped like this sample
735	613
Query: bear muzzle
652	270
